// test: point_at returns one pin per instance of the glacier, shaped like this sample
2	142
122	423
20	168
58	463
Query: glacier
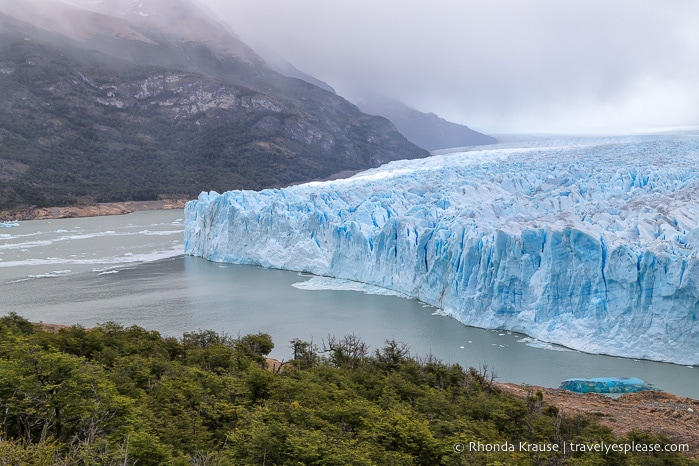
590	243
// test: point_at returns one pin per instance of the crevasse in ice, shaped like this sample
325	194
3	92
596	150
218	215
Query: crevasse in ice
589	243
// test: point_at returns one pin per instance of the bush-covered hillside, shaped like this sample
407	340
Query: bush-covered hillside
115	395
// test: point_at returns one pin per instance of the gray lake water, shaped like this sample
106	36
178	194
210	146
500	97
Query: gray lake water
130	269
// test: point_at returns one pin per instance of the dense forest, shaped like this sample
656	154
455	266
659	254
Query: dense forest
125	396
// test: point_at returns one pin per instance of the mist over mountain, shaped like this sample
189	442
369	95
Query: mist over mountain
283	66
425	130
119	100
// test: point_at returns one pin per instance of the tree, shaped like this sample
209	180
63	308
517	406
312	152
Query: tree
305	354
346	352
255	348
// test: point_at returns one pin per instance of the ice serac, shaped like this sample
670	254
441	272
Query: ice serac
589	243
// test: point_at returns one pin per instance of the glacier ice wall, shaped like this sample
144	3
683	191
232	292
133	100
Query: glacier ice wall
592	244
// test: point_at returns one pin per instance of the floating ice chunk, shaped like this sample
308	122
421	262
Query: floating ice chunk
534	343
605	385
53	274
329	283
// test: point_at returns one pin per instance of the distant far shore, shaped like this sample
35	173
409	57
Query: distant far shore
91	210
118	208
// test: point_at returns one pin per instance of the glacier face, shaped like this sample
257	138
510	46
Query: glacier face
589	243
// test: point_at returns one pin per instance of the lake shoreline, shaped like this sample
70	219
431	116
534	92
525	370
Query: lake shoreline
653	411
91	210
118	208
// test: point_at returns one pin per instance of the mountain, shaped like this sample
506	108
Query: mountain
425	130
286	68
130	100
592	244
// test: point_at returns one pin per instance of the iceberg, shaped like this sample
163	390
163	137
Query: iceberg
592	243
605	385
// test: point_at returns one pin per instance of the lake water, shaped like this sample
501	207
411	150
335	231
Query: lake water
130	269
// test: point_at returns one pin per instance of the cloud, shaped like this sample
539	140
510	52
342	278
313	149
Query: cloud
530	65
497	66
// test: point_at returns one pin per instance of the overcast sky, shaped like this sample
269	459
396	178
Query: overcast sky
496	65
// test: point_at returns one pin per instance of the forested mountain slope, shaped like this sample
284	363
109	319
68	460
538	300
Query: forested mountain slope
101	108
